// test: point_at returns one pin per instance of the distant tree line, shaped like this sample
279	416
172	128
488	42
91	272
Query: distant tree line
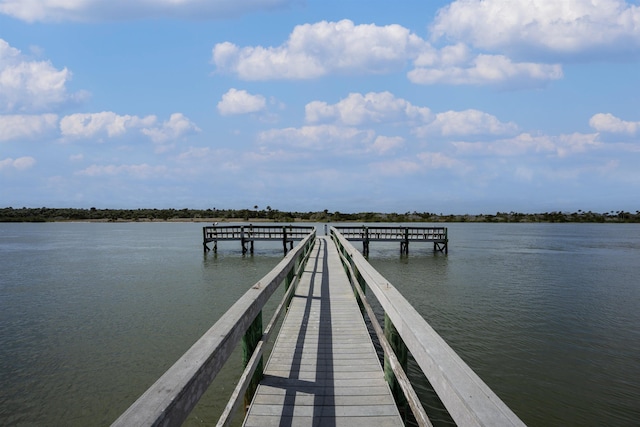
274	215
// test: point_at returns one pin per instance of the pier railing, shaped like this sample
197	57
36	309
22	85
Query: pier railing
404	235
171	398
469	401
247	234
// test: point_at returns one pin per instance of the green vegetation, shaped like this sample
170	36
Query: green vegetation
273	215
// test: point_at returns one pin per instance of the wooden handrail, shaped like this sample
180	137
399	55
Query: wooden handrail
171	398
469	401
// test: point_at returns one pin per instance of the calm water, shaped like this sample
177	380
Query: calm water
92	314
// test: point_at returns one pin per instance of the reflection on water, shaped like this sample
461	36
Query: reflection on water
92	314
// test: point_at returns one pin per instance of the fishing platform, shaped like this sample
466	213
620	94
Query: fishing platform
247	234
323	369
404	235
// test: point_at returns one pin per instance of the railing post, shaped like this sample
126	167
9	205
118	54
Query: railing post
400	349
249	342
204	240
284	239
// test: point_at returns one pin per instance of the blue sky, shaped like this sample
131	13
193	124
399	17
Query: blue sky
463	106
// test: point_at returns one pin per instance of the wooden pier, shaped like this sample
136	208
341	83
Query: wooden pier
404	235
322	369
248	234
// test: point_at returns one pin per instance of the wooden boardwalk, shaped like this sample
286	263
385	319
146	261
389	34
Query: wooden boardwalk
323	370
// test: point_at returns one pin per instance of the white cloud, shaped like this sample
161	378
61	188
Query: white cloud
175	128
484	69
14	127
321	137
101	10
384	144
240	102
31	85
111	125
559	27
140	171
20	164
609	123
560	145
315	50
468	122
88	125
358	109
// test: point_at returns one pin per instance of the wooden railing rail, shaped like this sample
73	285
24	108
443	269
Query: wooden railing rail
171	398
469	401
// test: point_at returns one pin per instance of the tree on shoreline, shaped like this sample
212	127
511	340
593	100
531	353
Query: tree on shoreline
45	214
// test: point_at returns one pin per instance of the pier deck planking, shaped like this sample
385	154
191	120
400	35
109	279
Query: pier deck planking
323	369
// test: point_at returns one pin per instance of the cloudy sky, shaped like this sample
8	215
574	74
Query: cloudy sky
463	106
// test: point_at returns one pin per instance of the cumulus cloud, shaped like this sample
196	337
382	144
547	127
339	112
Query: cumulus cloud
111	125
315	50
20	164
609	123
103	10
13	127
323	48
175	128
106	123
326	138
27	86
358	109
240	102
468	122
551	26
485	70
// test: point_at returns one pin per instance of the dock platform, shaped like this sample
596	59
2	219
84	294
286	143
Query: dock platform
323	369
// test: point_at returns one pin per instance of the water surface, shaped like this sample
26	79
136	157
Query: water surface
92	314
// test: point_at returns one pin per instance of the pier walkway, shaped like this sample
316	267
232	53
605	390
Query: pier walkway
323	369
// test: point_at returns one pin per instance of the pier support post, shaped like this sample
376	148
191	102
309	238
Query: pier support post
249	342
400	349
404	246
284	239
